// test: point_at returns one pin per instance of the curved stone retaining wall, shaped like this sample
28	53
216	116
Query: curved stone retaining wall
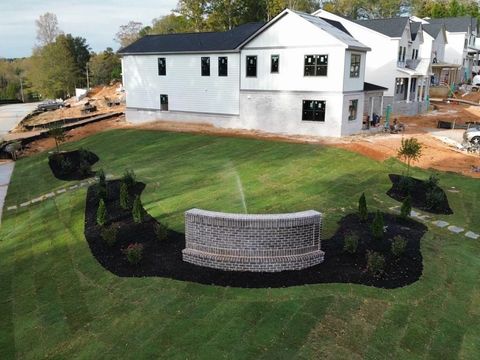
259	243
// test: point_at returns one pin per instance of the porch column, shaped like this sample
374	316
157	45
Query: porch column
381	105
409	84
416	89
372	100
421	92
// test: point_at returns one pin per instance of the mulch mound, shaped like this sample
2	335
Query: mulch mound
72	165
418	193
164	258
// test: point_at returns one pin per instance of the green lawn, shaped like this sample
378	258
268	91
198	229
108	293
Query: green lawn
58	302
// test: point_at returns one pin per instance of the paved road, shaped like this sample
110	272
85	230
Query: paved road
6	170
11	115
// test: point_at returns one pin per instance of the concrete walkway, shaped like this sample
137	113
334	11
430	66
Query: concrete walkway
6	170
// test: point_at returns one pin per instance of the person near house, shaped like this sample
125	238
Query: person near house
396	127
375	121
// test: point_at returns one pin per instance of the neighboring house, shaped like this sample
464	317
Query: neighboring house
297	74
394	61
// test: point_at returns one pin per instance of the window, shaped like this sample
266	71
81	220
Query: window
355	66
251	66
316	65
164	102
404	54
205	66
400	50
352	110
275	64
222	66
162	66
398	85
313	110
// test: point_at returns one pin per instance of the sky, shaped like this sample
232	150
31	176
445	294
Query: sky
95	20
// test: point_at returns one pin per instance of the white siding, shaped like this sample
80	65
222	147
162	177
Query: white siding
455	51
187	90
349	83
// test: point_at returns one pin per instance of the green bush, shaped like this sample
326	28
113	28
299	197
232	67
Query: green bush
375	263
84	168
399	245
124	196
432	182
129	179
65	164
406	208
377	226
160	231
362	208
137	212
405	185
134	253
102	185
434	198
350	243
109	235
101	213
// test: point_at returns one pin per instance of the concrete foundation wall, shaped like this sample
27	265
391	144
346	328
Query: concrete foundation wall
257	243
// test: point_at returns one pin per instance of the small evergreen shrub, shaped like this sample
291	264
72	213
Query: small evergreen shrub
134	253
406	208
362	208
405	185
101	213
129	179
102	185
377	225
435	198
432	182
84	168
65	164
399	245
124	197
160	231
350	243
109	235
375	263
137	211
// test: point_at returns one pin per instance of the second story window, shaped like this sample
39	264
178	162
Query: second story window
275	64
251	66
205	66
404	54
162	66
355	66
315	65
222	66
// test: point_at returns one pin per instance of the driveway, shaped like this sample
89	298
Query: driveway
11	115
6	170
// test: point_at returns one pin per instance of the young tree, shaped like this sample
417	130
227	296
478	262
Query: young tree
124	197
128	33
101	213
406	208
58	134
410	150
377	226
47	28
362	208
137	210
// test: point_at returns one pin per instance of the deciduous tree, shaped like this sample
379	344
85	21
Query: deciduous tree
47	28
128	33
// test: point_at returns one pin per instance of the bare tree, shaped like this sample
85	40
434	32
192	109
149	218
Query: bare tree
47	28
128	33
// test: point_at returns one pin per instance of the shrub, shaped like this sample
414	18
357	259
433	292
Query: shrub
362	208
434	198
109	235
137	211
398	245
160	231
102	185
84	168
101	213
65	164
406	208
377	226
124	197
405	185
350	243
375	263
134	253
129	178
432	182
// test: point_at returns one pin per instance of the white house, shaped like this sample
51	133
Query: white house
394	61
297	74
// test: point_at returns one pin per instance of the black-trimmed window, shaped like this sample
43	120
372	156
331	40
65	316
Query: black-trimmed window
404	54
164	102
205	66
162	66
316	65
313	110
275	64
223	66
352	110
251	66
355	65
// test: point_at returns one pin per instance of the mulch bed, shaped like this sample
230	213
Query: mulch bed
72	165
164	258
418	195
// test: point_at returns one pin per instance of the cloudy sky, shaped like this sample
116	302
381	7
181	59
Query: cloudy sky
95	20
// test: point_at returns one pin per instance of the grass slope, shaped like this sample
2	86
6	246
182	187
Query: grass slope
57	302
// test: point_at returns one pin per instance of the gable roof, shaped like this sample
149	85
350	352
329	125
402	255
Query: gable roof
392	27
193	42
337	24
372	87
433	29
456	24
414	28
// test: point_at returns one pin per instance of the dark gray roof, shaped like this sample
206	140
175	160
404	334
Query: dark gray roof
193	42
456	24
337	24
414	27
392	27
372	87
432	29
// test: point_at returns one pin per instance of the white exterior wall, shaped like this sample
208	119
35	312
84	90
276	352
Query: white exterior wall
187	90
455	51
432	46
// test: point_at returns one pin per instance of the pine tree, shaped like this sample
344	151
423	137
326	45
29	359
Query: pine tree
362	208
377	226
137	211
124	198
406	207
101	213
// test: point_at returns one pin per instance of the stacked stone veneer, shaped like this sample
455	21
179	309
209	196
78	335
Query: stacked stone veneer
259	243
